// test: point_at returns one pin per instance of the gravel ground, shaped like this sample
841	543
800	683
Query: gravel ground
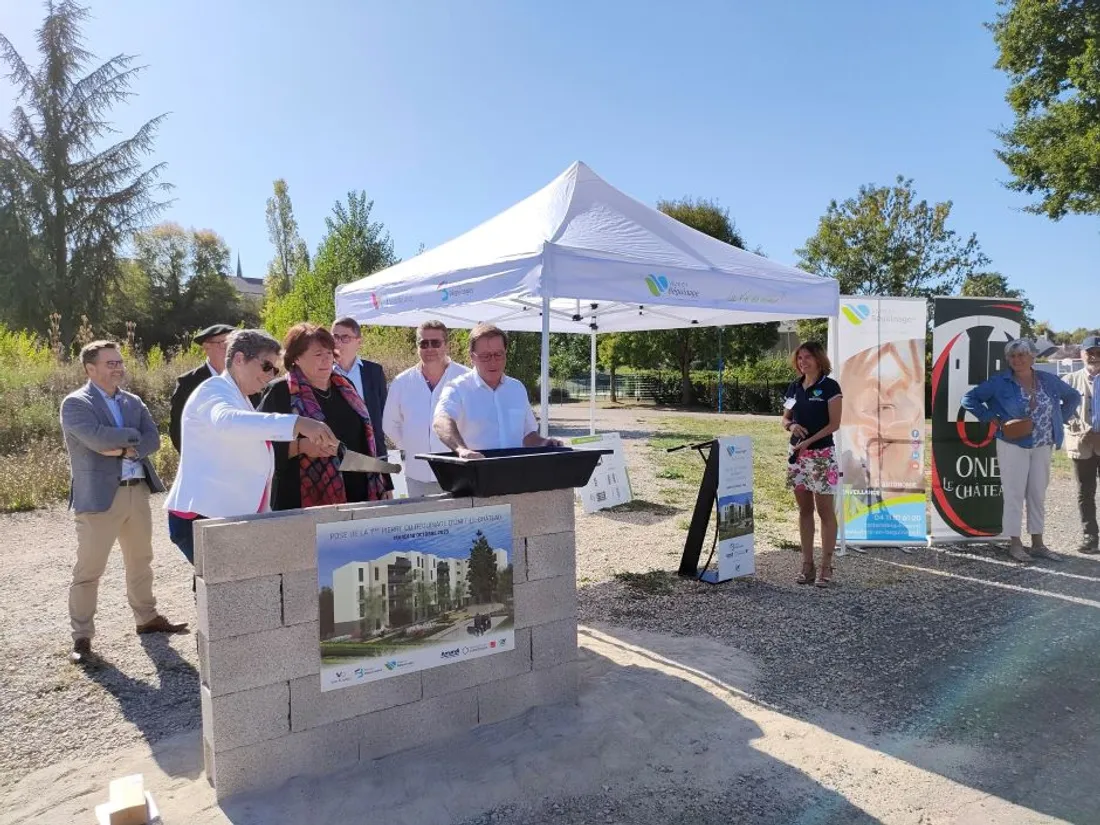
956	649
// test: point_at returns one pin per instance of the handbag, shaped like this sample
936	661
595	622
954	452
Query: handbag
1017	428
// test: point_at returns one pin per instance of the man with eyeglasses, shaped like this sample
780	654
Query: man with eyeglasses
212	340
486	409
366	376
109	435
1082	433
410	407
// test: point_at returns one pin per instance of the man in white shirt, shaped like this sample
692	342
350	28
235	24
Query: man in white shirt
411	405
486	409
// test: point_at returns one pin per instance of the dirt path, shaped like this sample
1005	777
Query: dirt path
927	688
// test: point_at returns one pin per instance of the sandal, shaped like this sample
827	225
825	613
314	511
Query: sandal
807	574
825	577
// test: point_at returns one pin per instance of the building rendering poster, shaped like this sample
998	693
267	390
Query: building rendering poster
400	594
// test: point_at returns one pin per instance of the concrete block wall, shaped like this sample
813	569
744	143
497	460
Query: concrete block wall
264	716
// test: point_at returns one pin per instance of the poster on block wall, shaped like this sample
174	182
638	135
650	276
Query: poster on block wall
405	593
880	367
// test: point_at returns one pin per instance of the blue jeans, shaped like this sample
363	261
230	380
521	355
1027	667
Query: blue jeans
182	533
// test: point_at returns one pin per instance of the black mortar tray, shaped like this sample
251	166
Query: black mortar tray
513	471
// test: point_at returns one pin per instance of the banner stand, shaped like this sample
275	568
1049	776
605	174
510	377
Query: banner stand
838	501
706	498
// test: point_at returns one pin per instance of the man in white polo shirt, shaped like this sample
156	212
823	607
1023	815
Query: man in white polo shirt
411	405
485	409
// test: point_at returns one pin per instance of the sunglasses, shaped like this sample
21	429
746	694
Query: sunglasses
434	343
269	368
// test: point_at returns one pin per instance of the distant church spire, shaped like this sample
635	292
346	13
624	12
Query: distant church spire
239	275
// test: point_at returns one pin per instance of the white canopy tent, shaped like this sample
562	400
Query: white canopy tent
580	256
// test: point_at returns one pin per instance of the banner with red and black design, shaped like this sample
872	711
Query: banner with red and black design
968	345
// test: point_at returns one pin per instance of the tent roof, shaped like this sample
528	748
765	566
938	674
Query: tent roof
602	258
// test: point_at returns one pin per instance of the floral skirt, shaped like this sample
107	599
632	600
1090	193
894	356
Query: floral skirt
815	471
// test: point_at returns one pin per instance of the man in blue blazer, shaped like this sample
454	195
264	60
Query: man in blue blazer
367	378
110	435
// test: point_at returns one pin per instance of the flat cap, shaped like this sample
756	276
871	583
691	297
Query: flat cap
210	332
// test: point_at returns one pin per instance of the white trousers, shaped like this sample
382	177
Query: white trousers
1025	473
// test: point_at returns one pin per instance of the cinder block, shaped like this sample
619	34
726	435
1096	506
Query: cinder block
268	764
447	679
239	607
554	643
300	597
545	600
407	726
554	554
247	717
237	550
208	760
243	662
537	514
204	655
310	708
506	698
405	506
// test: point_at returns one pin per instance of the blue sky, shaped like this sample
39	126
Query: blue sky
455	543
447	112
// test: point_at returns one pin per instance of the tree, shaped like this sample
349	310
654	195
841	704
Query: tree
686	349
612	350
1050	50
482	575
291	256
175	284
995	285
74	201
884	242
353	246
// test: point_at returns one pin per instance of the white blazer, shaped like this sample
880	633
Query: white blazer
226	463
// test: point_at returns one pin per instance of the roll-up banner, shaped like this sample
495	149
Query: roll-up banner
880	367
968	345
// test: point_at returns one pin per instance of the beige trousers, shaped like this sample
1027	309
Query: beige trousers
1025	474
131	523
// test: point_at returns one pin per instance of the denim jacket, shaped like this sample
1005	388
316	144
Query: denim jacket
1001	397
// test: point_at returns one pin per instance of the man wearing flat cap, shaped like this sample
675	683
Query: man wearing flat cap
212	340
1083	440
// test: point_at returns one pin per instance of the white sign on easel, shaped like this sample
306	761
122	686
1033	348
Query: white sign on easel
609	485
736	547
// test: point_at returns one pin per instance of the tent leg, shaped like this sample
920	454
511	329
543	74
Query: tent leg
592	389
544	374
839	504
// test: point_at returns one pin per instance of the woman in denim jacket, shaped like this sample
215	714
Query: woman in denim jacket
1015	394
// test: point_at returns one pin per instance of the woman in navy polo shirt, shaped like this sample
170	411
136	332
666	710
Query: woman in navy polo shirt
811	414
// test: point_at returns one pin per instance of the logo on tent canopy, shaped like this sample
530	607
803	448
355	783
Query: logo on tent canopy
856	314
446	293
375	300
658	285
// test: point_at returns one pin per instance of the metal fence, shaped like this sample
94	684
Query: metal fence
666	389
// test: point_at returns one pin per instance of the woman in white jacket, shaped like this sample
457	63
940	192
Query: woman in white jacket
226	459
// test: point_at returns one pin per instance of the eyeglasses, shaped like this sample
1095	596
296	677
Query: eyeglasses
489	356
269	368
113	365
434	343
344	338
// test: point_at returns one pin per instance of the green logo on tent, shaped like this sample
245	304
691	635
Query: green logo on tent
658	285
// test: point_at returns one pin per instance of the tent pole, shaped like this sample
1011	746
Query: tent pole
592	389
544	374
